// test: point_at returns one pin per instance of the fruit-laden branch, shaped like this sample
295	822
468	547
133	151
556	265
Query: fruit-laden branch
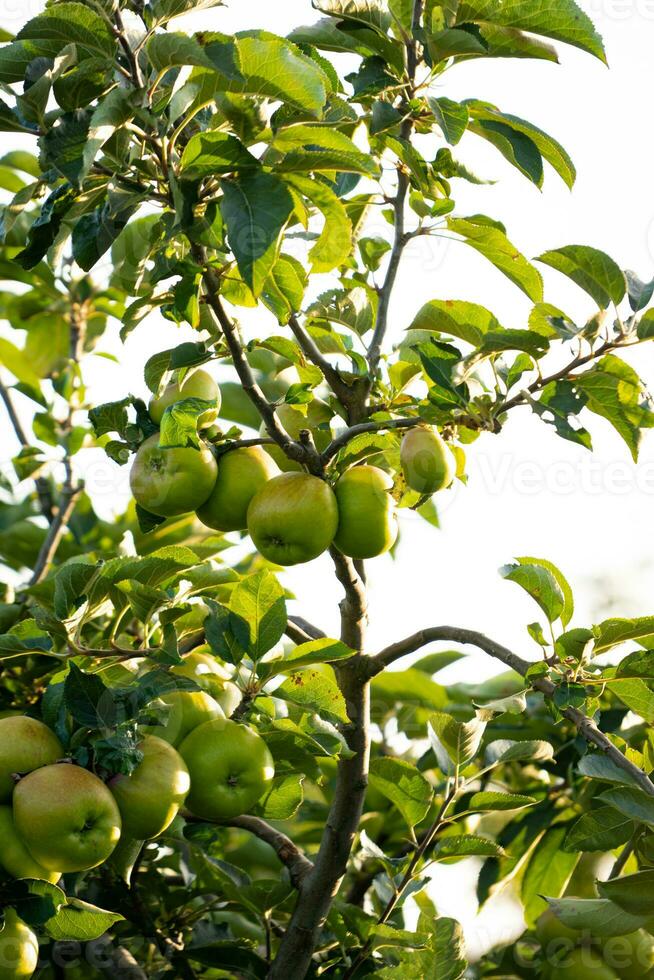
585	725
356	430
298	864
292	449
41	484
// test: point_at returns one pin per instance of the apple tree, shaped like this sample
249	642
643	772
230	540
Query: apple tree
195	781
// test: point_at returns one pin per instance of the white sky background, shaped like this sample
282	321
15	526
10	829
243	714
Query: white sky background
530	493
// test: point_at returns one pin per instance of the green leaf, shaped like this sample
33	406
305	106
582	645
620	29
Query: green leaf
179	424
408	687
615	392
515	146
491	800
593	271
466	845
458	318
637	664
283	799
88	700
113	112
214	153
173	50
264	65
372	13
541	583
454	743
632	802
256	209
633	893
66	143
322	651
636	694
284	290
548	872
493	244
16	362
70	584
161	11
45	229
595	765
504	750
81	922
404	786
612	632
452	117
561	20
559	405
597	916
315	691
334	244
602	829
645	328
485	117
259	601
449	949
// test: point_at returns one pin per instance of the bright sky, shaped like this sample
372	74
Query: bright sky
529	492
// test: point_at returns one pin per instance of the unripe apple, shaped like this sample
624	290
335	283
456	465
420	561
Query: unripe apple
149	799
186	710
169	482
583	963
367	525
631	956
203	668
198	384
427	463
19	948
25	745
241	473
230	768
67	818
293	518
15	859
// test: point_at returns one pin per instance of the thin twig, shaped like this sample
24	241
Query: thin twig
42	486
348	435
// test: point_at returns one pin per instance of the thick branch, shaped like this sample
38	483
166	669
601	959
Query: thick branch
42	487
585	725
354	607
298	864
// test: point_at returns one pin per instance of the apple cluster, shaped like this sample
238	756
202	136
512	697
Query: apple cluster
292	516
57	817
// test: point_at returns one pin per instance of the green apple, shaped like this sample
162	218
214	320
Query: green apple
25	745
583	963
631	956
149	799
197	384
203	668
67	818
168	482
241	473
427	463
230	767
554	936
186	710
367	524
293	518
19	948
15	859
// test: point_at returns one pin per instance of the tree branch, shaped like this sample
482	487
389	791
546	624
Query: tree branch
354	607
298	864
356	430
310	349
585	725
42	486
301	631
401	237
292	449
56	531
